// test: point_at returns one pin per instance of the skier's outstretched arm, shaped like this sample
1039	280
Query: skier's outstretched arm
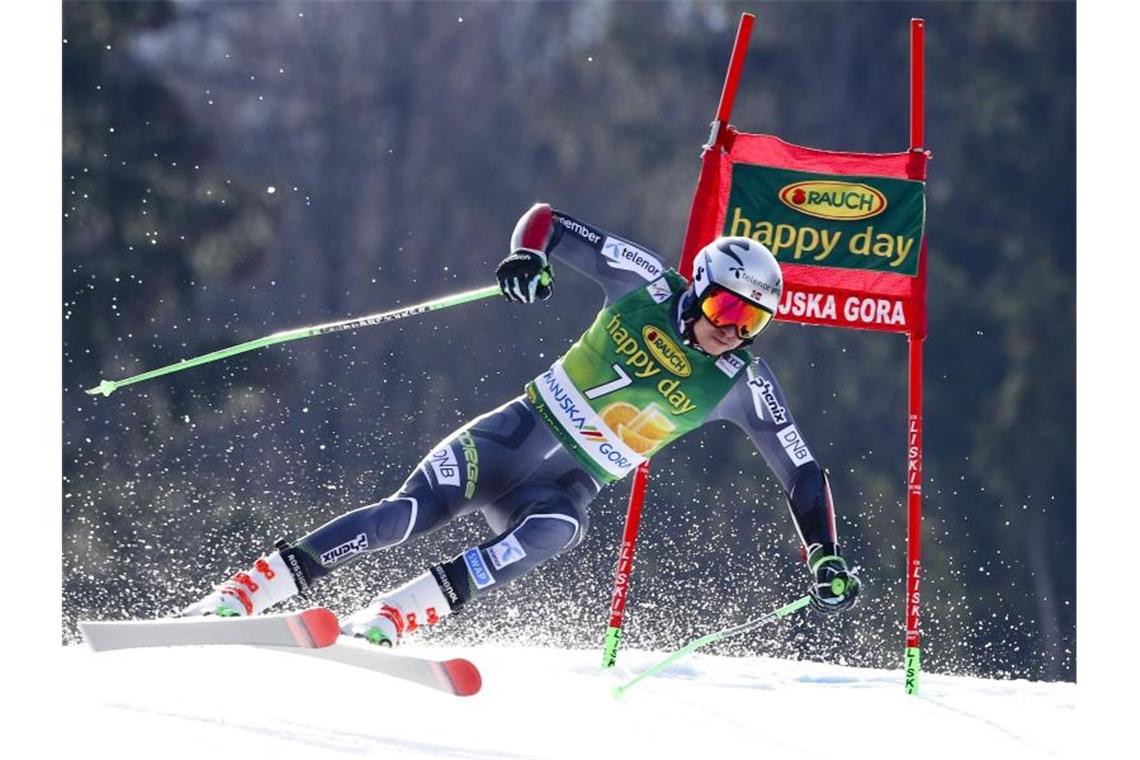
757	405
545	237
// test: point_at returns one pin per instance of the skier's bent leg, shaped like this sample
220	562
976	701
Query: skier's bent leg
541	534
412	511
471	467
290	570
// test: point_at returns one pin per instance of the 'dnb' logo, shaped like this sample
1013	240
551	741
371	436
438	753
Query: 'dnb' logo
832	199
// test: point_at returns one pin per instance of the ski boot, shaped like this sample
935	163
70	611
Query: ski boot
271	580
389	617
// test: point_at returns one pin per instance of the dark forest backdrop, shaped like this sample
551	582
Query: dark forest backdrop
233	169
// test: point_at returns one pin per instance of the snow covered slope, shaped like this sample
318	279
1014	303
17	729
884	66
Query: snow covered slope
543	703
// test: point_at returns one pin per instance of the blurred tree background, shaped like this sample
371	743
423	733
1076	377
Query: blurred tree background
236	168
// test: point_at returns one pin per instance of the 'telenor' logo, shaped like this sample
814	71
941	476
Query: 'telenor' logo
666	351
832	199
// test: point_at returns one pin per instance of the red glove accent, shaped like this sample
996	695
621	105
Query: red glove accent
534	229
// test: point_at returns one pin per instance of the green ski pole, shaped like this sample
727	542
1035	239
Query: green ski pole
106	387
772	616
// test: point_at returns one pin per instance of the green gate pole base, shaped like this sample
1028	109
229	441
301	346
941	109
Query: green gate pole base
913	667
609	655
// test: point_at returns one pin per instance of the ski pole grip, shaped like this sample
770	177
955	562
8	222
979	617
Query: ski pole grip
838	586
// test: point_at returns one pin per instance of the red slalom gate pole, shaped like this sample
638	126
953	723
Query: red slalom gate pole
732	79
913	658
641	477
625	565
914	514
917	84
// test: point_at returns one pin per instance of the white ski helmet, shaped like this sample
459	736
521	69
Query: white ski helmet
741	265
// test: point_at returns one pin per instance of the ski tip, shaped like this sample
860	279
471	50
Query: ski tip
322	625
465	677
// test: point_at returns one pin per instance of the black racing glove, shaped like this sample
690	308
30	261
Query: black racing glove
835	588
524	276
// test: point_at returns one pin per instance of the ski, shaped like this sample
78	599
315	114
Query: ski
314	632
455	676
311	628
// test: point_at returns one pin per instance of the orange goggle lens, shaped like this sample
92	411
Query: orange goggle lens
724	308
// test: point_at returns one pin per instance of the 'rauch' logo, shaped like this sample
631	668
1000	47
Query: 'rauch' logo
845	201
666	351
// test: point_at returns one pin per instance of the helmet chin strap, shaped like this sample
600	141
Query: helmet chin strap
688	309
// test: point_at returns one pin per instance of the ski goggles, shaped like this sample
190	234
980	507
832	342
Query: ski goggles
724	308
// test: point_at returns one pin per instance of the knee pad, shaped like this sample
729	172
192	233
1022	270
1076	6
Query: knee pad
393	519
550	530
540	535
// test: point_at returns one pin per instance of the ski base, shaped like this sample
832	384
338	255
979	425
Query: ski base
455	676
308	629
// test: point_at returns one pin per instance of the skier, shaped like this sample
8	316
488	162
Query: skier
662	358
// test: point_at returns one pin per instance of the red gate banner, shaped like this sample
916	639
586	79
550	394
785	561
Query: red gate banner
847	228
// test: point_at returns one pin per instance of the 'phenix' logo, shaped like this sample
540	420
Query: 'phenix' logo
345	550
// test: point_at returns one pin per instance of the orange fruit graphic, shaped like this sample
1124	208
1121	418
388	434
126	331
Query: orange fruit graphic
651	423
619	413
636	441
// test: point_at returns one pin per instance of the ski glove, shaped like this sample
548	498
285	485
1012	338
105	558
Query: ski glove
835	588
524	276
